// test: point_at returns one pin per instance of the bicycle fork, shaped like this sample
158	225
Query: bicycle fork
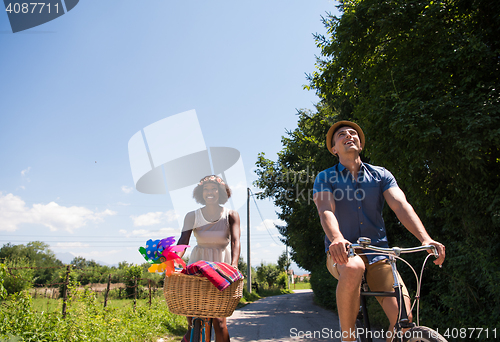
403	321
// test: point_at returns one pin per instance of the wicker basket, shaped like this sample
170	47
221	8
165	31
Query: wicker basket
196	296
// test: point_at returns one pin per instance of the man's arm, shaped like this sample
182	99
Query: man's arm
326	209
396	200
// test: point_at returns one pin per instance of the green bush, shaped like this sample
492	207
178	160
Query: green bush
19	276
282	281
133	272
324	287
249	297
3	274
72	281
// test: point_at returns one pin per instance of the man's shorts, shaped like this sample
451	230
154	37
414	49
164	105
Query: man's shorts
378	276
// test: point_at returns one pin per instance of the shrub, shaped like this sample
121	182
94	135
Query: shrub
19	276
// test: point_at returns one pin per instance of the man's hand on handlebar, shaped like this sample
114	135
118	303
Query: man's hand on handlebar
441	250
338	251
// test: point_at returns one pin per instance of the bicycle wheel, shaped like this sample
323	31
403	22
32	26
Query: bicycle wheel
423	334
196	330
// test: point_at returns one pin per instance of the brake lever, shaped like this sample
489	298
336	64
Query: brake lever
435	253
351	253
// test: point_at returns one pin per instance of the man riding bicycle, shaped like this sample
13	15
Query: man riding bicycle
349	197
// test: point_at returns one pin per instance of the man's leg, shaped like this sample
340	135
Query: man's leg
390	306
379	277
348	287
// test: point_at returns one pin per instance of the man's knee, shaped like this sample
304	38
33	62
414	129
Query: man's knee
355	267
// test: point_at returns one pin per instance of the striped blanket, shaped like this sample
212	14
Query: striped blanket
218	273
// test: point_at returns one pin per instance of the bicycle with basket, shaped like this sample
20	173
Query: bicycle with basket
405	331
191	295
197	297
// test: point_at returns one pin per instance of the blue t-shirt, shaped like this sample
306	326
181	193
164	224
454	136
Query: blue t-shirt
358	204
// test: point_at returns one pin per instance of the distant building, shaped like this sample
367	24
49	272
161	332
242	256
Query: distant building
303	277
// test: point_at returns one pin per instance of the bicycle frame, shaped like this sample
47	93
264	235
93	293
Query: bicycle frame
199	326
403	321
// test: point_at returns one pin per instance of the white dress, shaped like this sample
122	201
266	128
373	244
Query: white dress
213	239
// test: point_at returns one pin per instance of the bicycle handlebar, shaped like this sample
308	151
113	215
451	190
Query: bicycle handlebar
364	243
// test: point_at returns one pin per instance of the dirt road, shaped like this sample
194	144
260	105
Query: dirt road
291	317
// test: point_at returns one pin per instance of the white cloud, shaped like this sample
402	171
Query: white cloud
127	189
148	219
153	218
25	171
239	186
14	212
95	254
105	213
150	234
269	224
70	245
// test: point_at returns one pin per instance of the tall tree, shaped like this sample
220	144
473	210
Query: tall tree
422	78
36	253
284	262
267	273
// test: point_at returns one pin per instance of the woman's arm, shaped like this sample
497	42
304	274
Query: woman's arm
234	229
186	231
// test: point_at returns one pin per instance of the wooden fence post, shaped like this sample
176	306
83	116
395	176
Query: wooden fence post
107	291
149	285
135	293
65	291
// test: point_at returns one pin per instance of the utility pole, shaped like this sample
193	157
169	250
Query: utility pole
249	267
287	268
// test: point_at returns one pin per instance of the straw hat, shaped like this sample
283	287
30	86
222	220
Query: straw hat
336	125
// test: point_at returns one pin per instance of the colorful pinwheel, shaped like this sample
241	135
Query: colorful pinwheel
161	254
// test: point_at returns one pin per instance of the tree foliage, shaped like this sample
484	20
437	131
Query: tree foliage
289	182
267	273
3	274
19	276
37	254
422	80
284	262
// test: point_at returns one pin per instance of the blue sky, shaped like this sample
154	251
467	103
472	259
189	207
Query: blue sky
75	90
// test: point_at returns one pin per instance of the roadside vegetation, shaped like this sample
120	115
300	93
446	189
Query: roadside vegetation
22	319
43	300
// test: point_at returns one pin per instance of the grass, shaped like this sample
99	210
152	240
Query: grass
87	320
27	319
300	286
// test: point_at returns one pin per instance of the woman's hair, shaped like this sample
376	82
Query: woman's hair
224	191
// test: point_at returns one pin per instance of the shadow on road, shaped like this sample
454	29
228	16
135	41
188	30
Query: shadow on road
289	317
